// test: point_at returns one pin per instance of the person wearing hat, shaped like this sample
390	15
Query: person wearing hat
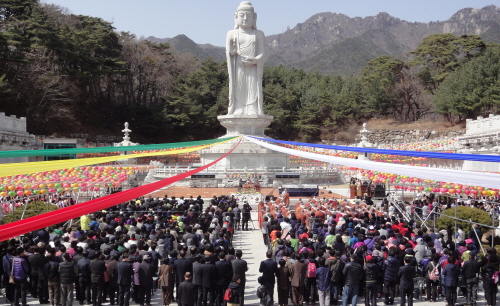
420	250
470	270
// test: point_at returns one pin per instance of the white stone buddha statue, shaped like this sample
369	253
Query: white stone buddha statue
245	61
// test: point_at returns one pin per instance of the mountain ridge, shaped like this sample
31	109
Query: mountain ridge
330	42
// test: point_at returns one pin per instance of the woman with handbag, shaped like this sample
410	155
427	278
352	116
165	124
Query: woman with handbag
166	281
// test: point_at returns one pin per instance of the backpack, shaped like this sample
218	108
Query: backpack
434	275
228	294
311	269
495	277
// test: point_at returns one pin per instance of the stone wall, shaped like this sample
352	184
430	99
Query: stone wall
406	136
12	123
13	136
481	126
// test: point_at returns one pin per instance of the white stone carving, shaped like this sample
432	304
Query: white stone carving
245	61
126	138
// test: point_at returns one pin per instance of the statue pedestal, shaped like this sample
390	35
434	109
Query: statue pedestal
252	125
247	155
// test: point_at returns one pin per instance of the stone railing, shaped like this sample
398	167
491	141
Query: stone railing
304	172
482	126
12	123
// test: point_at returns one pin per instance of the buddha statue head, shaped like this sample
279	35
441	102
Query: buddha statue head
245	16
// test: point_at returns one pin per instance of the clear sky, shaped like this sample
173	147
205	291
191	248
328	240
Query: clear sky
207	21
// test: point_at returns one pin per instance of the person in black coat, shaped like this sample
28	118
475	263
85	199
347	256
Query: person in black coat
470	271
269	270
391	268
113	276
489	265
35	261
76	257
187	291
146	272
208	274
372	274
124	280
353	273
240	267
451	273
197	278
235	290
97	269
224	274
67	278
83	266
182	265
406	275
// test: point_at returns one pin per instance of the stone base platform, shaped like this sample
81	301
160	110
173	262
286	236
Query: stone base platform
246	155
245	124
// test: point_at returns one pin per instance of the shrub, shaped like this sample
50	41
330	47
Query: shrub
34	208
466	213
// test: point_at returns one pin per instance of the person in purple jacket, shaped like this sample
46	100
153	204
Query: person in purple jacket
21	271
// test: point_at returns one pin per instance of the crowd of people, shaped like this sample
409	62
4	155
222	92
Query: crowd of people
181	246
9	204
334	251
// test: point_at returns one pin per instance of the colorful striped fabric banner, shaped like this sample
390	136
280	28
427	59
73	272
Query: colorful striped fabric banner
20	227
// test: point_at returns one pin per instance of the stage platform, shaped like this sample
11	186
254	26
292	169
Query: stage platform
208	193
